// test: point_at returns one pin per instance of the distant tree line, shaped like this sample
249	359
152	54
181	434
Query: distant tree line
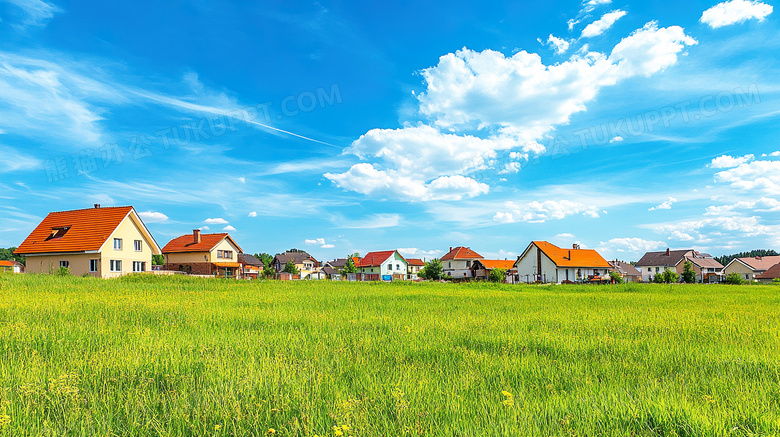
7	254
725	259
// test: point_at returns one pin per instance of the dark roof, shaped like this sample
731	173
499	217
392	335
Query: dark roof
338	262
706	263
662	259
296	257
624	268
460	252
772	273
330	271
248	259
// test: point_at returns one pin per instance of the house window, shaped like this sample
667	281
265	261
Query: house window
398	266
115	265
93	265
468	263
747	276
117	244
657	269
449	265
228	254
137	245
139	266
64	264
389	267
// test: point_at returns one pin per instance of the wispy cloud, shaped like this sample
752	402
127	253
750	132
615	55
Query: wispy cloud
32	13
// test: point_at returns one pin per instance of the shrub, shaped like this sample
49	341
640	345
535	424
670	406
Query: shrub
62	271
670	276
734	279
688	276
616	278
497	275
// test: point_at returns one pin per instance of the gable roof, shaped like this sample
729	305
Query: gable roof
415	262
491	264
625	268
373	259
5	263
296	257
707	263
760	263
460	252
186	243
771	273
250	260
667	258
569	257
330	271
80	230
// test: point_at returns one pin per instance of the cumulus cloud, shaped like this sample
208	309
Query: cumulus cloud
601	25
539	212
228	228
253	214
762	176
666	205
413	251
153	217
204	228
315	241
735	11
680	236
764	204
616	139
477	105
565	235
728	161
327	246
215	221
560	45
632	245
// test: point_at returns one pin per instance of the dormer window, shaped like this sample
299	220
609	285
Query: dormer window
58	232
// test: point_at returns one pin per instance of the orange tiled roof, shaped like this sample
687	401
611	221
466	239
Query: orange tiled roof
579	257
373	259
497	263
186	243
415	262
87	230
4	263
461	252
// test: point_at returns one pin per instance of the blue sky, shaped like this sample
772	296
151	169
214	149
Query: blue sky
340	128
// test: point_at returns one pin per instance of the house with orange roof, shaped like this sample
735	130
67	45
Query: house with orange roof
545	262
102	242
11	267
481	268
458	261
204	254
414	267
384	265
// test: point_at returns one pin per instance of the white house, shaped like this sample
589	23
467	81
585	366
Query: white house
386	265
653	263
545	262
458	261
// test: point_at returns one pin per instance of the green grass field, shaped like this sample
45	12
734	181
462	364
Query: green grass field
198	357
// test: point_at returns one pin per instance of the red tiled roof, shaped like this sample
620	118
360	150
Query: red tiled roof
373	259
497	263
415	262
186	243
4	263
771	273
579	257
87	230
461	252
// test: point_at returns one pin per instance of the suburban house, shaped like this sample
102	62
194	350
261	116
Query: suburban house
414	267
11	267
545	262
304	262
750	268
770	275
251	267
457	262
386	265
653	263
481	268
628	272
331	272
101	242
204	254
707	270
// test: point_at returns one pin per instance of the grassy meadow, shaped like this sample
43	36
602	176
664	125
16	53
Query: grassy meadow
173	356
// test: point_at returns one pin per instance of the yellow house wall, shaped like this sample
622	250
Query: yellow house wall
203	257
78	263
224	245
738	267
128	231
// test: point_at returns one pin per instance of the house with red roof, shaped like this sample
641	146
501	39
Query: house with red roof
385	265
458	261
11	267
414	267
750	268
204	254
772	274
101	242
545	262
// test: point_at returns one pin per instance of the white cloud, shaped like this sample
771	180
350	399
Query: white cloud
616	139
13	160
413	251
242	180
762	176
743	225
565	235
735	11
153	217
680	236
776	153
228	228
559	44
602	24
632	246
650	49
764	204
34	12
374	221
728	161
666	205
204	228
316	241
327	246
539	212
215	221
253	214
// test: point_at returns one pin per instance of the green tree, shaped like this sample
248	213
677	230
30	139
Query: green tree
349	267
266	259
8	255
615	276
670	277
658	278
433	270
688	276
734	279
268	271
158	260
497	275
291	269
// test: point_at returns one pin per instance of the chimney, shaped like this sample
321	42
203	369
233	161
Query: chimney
97	205
196	236
668	252
573	246
450	248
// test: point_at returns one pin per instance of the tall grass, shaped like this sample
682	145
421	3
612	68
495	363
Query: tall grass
176	356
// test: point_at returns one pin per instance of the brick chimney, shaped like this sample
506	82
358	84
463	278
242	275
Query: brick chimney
97	205
450	248
196	236
668	252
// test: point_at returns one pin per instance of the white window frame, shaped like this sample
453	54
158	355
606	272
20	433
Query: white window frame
119	241
138	245
139	266
65	264
94	263
115	265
